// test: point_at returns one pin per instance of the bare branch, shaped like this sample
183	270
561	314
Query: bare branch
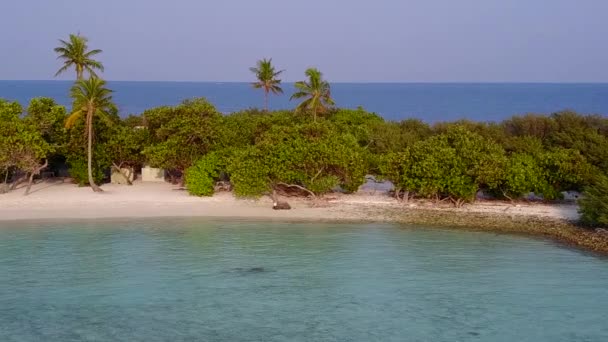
312	194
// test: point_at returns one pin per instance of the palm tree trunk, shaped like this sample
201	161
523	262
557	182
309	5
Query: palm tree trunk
90	150
266	100
78	73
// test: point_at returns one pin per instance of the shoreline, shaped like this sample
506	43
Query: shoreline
58	200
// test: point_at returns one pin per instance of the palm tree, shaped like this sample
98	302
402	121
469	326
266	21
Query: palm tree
74	53
91	98
267	79
317	92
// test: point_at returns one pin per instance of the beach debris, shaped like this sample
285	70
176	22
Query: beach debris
281	205
222	186
602	231
277	204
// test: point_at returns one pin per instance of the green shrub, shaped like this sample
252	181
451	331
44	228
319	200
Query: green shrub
523	175
181	135
594	203
79	174
202	176
454	165
314	156
248	173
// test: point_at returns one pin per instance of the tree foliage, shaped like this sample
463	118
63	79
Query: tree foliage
181	135
22	147
202	176
75	53
260	151
594	203
267	79
312	157
316	92
92	99
453	165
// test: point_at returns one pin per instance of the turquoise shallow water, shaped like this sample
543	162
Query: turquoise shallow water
196	280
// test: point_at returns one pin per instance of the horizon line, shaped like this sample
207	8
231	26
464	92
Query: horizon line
331	82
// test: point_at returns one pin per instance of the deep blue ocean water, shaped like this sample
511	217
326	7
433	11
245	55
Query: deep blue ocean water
427	101
168	279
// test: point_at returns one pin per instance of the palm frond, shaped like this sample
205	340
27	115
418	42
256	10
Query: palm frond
93	53
71	120
63	68
75	52
316	91
303	86
303	106
103	115
276	89
299	95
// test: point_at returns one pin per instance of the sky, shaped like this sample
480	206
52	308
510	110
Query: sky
348	40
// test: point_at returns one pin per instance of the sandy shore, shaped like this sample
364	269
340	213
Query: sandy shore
59	200
62	200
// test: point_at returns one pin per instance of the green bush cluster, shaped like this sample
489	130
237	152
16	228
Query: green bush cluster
314	156
22	144
594	204
202	176
259	151
78	171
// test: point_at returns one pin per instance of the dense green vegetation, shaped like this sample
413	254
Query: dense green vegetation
91	99
594	206
311	150
261	151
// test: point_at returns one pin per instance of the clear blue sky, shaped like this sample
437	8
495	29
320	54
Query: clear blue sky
349	40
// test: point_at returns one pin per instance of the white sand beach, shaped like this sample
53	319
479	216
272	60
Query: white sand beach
63	200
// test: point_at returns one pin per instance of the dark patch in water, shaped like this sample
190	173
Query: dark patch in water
250	270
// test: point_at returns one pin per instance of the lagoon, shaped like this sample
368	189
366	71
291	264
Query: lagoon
197	279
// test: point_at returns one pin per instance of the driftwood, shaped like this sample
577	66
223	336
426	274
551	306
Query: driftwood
402	196
222	186
458	203
312	194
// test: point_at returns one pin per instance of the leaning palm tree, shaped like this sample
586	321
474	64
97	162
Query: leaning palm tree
317	92
91	98
267	79
74	54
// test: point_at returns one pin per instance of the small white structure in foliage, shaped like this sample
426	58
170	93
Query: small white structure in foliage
152	174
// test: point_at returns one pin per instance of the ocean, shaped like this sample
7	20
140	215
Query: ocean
202	280
430	102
